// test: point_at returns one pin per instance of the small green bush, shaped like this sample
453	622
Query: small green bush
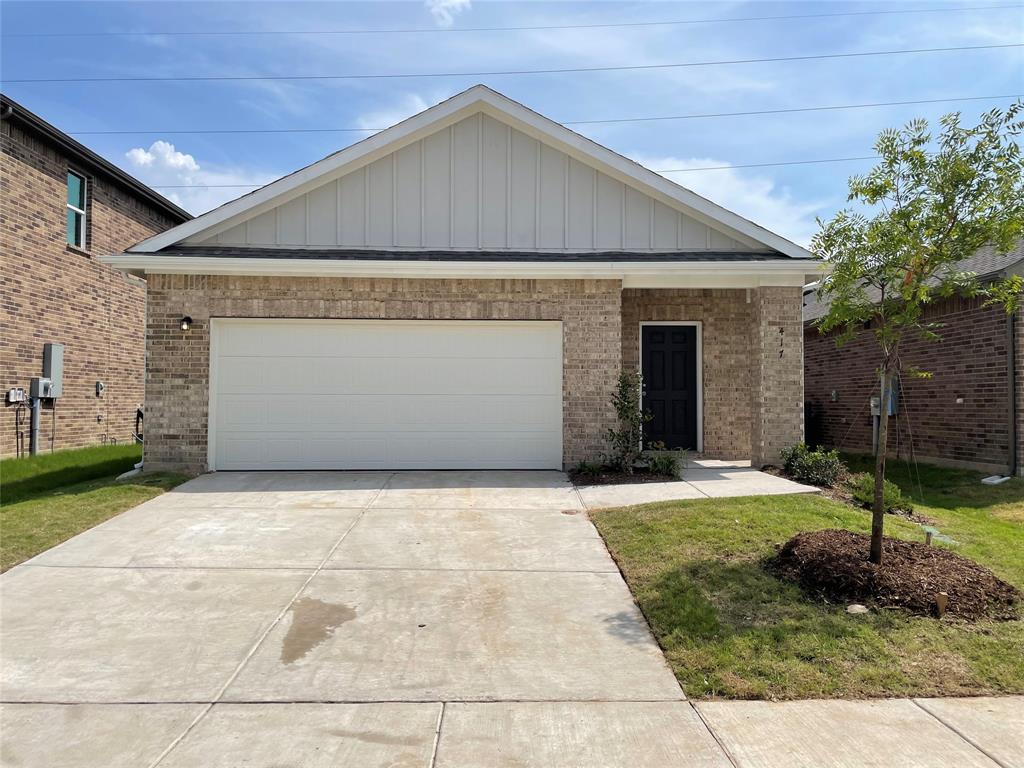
587	468
625	441
820	467
862	486
663	464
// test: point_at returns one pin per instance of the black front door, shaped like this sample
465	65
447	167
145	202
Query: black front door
669	369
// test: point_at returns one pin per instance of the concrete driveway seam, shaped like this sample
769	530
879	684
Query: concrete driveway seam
957	731
263	636
437	735
718	741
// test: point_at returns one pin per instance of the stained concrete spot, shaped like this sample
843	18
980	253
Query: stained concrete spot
192	586
313	621
370	737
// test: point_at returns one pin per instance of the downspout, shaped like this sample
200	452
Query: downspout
1011	375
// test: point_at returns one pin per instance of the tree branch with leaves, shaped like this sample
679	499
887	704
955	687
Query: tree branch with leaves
930	203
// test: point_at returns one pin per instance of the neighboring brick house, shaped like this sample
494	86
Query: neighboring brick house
62	205
461	291
970	413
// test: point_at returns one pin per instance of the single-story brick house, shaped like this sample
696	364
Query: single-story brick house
462	290
969	414
63	207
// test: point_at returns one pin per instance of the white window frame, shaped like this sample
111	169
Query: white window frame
80	211
699	324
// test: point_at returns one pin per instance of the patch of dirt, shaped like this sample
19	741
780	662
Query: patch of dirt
615	477
834	564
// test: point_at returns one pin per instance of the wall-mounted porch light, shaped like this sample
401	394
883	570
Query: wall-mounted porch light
186	323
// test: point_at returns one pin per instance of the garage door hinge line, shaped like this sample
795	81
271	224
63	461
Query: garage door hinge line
263	636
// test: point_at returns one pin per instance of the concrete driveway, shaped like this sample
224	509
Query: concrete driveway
357	619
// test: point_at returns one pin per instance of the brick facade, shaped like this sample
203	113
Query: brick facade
55	293
726	318
777	386
177	383
958	417
600	328
1018	351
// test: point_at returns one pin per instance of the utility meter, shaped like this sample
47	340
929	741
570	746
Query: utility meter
41	388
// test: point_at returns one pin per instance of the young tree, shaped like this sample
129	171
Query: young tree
928	204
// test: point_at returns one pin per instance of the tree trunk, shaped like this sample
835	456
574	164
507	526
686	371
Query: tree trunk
878	512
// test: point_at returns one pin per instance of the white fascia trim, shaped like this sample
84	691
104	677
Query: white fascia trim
477	98
633	274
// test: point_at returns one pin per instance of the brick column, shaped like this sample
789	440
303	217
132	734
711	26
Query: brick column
177	374
777	373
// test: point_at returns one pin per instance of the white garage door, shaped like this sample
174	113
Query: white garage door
365	394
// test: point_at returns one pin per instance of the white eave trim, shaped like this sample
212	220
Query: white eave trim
477	98
744	274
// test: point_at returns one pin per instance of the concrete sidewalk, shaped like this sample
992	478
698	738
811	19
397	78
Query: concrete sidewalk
701	479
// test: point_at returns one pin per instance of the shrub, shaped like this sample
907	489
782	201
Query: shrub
625	441
587	468
663	464
862	487
819	467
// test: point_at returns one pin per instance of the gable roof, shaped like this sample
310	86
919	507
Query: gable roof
89	160
478	99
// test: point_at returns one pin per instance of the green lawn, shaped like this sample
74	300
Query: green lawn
729	629
49	498
23	478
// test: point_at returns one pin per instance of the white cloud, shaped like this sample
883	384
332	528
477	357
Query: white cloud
751	195
445	11
204	187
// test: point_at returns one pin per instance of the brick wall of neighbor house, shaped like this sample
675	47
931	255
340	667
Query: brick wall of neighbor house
54	293
177	384
777	386
969	363
1019	381
726	317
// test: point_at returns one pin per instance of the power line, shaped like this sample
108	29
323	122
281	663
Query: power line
421	30
694	116
497	73
664	170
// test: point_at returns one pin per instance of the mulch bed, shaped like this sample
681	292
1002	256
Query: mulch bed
615	477
834	564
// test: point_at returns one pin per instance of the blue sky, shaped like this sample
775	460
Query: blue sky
785	198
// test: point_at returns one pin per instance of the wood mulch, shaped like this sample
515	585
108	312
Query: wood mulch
834	564
609	476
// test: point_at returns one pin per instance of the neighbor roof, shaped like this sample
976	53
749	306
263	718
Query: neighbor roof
986	263
479	98
83	156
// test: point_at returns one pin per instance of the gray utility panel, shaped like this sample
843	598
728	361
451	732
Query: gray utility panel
53	367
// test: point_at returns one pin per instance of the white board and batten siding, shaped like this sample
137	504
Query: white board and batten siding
395	394
478	184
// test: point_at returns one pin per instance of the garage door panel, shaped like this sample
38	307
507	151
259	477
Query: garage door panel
404	339
386	394
306	376
334	413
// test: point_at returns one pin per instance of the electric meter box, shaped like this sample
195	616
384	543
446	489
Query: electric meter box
53	368
40	389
